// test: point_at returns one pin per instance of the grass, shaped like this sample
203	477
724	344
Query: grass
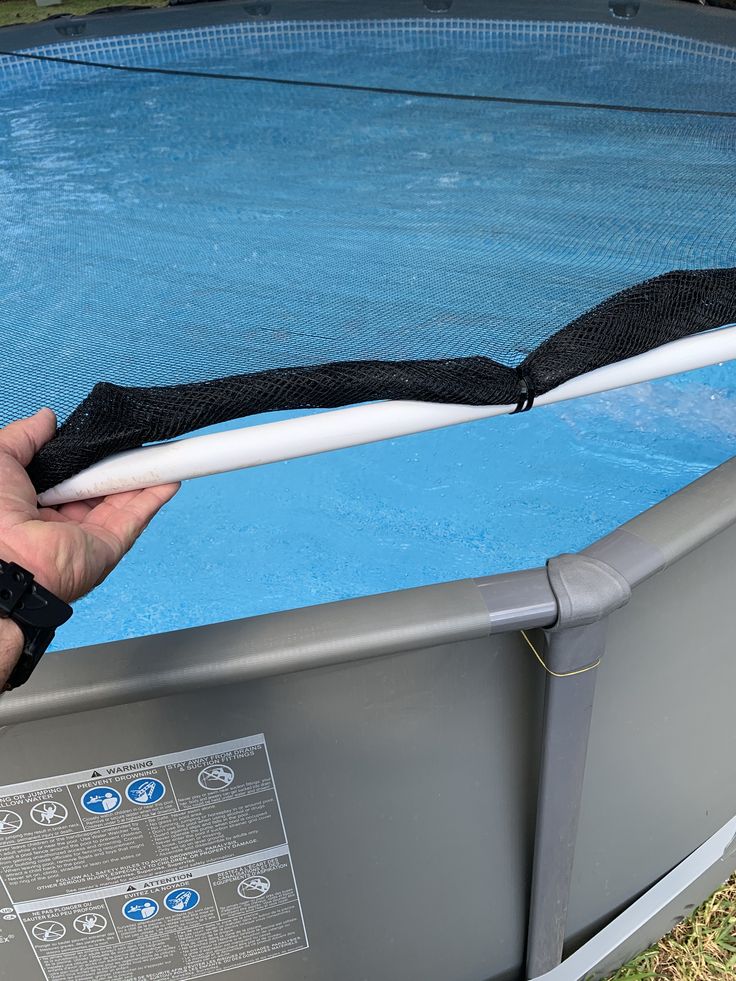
702	948
26	11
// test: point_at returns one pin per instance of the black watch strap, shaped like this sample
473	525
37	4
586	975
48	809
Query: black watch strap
37	612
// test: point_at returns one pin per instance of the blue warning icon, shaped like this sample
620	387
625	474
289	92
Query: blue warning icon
146	790
140	909
181	900
101	800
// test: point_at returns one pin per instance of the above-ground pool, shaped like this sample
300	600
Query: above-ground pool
162	228
451	707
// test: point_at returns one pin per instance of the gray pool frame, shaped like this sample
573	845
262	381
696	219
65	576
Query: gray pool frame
566	833
436	685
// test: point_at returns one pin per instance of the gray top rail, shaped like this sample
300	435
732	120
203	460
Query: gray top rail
372	626
656	538
277	643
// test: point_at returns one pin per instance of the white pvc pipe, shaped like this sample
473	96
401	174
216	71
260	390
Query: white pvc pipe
288	439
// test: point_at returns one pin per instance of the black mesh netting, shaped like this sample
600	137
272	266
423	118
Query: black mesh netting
115	417
184	249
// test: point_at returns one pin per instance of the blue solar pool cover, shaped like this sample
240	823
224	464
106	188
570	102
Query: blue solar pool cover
165	229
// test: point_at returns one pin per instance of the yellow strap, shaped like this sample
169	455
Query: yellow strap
565	674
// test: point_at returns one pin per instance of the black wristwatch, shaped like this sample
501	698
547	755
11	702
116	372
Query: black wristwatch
37	612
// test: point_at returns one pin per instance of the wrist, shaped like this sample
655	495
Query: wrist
34	614
40	574
11	646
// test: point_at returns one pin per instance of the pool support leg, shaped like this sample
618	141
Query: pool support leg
587	591
568	709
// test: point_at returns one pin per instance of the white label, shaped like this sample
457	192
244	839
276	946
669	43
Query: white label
163	869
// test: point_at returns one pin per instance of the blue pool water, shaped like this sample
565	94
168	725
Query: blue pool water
467	501
157	230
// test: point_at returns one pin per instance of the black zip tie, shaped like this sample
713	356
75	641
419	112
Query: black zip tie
526	393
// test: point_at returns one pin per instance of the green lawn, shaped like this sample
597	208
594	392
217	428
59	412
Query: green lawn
702	948
26	11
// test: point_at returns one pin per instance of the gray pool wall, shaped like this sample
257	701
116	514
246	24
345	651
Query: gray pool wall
406	731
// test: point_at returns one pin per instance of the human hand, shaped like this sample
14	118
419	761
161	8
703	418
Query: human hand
69	549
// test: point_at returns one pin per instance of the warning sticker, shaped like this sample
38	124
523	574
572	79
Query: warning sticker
163	869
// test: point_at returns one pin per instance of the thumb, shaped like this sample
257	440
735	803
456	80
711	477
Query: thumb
21	440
